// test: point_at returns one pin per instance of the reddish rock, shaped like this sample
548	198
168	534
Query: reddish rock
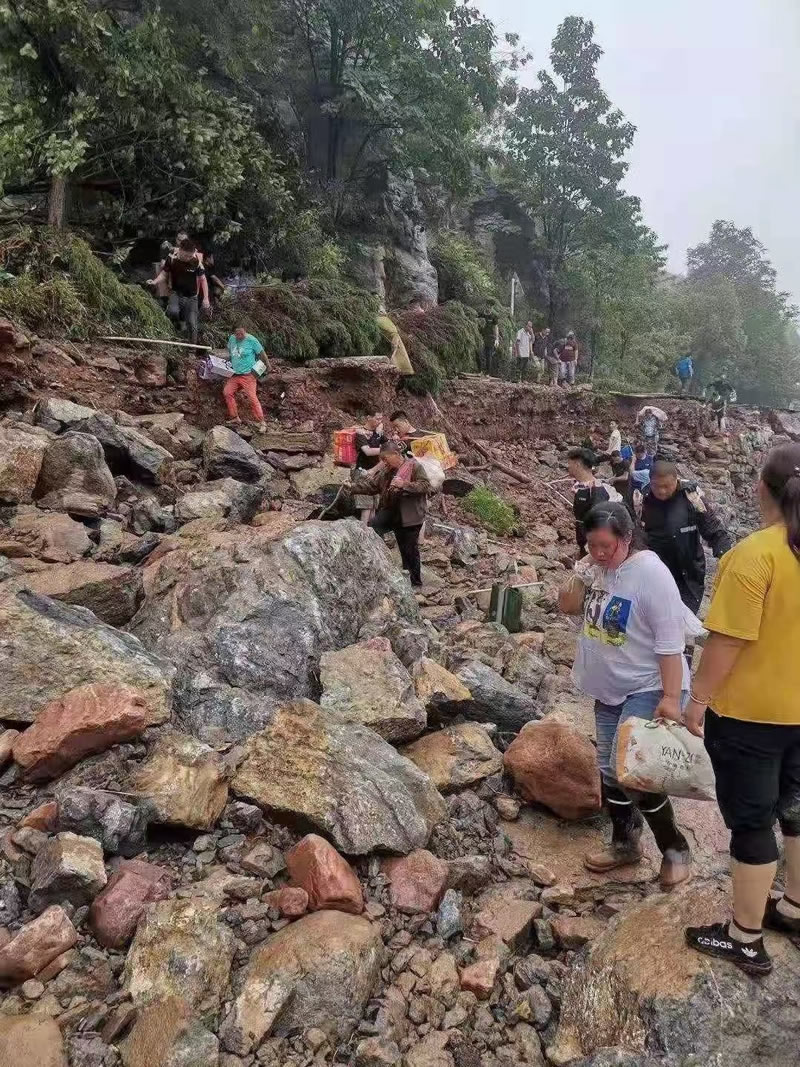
479	978
291	901
554	765
116	912
37	944
86	720
329	880
416	882
572	931
44	818
506	917
7	739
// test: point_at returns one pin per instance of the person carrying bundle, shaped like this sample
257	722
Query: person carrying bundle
403	489
247	356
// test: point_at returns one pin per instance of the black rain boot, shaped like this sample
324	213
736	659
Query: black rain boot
626	831
676	865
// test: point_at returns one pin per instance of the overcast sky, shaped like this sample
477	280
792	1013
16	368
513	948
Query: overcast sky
713	87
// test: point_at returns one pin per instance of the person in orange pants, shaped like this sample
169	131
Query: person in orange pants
245	352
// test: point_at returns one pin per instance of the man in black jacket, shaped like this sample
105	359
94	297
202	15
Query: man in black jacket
676	521
587	491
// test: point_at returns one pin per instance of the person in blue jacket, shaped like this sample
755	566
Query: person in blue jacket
684	368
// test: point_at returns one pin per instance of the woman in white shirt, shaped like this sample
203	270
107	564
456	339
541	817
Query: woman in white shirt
615	439
630	660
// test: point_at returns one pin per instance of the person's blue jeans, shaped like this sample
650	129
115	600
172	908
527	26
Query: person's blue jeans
608	718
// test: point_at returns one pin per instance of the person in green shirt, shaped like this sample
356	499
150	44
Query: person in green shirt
245	352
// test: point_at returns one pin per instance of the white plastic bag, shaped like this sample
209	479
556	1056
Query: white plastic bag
434	471
657	756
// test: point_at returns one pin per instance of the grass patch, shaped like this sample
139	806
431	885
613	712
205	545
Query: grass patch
303	321
441	343
54	285
491	511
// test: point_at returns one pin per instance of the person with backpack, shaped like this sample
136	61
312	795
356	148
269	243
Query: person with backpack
587	491
684	368
403	487
745	702
369	440
676	521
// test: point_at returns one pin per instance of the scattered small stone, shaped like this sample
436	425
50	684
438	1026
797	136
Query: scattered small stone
32	989
479	978
448	918
507	807
541	875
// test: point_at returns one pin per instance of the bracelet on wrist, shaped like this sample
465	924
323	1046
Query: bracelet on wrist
695	699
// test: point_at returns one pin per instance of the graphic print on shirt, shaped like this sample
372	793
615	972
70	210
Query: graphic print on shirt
606	617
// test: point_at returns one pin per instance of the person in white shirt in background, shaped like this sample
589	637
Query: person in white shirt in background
615	439
523	346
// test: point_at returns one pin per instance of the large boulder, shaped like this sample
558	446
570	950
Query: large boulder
318	972
112	592
53	537
116	911
31	1041
182	948
86	720
555	765
438	689
227	455
168	1033
341	778
182	783
22	450
36	945
75	477
787	423
366	683
127	450
225	498
49	648
494	699
641	991
246	615
456	757
57	414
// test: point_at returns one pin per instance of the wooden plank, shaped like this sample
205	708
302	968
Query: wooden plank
286	441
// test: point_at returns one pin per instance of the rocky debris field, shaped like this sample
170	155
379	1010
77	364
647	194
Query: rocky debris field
261	805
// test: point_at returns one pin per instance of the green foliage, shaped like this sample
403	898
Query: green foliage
493	512
442	343
566	148
462	270
57	287
304	321
755	339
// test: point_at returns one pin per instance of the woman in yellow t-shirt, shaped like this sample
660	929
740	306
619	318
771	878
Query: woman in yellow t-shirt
749	677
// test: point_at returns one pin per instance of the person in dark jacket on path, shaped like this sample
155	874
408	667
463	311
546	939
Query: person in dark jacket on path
403	489
676	521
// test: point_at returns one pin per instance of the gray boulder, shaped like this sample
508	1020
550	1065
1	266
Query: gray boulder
639	989
224	498
127	450
57	414
343	779
49	648
227	455
22	450
494	699
245	617
119	826
75	477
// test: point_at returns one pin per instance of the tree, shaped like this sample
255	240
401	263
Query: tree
89	101
387	85
766	367
565	146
